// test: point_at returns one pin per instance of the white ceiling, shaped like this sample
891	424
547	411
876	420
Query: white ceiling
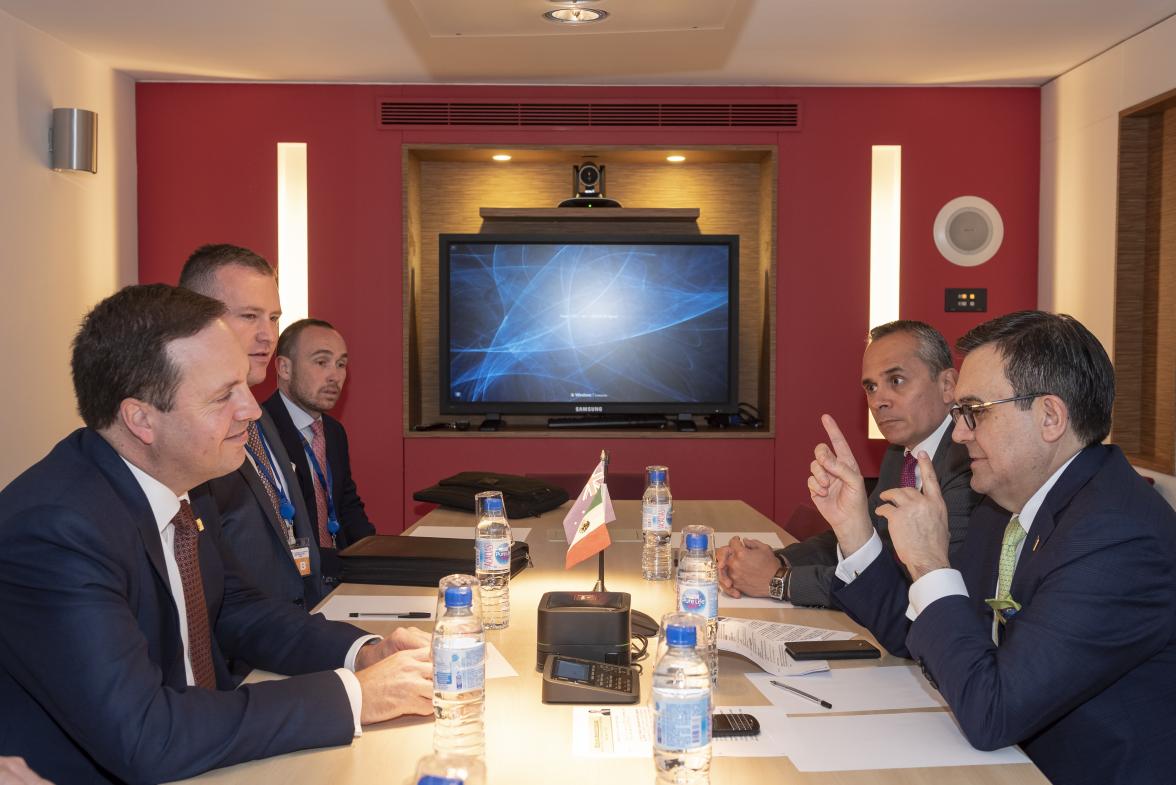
663	42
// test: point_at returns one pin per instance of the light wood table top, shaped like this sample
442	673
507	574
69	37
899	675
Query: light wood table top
529	742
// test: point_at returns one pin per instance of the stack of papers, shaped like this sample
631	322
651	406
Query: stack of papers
762	642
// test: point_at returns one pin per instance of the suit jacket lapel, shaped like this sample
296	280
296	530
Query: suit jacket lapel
111	464
1077	474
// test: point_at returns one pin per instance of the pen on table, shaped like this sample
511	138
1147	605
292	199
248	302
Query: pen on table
802	694
411	615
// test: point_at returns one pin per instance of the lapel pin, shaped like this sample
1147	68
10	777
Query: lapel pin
199	525
1036	543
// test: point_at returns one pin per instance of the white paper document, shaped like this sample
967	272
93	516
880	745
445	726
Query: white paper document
612	731
854	689
886	741
762	642
382	607
496	665
627	732
733	604
518	533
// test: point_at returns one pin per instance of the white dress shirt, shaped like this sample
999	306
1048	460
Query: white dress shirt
301	418
164	506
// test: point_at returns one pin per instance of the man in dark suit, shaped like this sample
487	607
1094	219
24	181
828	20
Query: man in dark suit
909	381
260	503
312	367
120	607
1056	629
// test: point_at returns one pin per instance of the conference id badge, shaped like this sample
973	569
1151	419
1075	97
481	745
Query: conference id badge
300	552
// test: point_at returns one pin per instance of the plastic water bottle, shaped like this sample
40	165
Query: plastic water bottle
682	708
698	587
459	674
492	542
657	519
444	769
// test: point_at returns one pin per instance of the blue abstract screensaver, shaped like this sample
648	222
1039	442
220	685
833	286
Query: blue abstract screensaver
588	323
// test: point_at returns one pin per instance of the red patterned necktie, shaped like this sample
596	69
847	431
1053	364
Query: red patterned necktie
257	449
907	478
318	444
188	562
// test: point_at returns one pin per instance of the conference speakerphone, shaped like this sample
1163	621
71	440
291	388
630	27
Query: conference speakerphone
572	680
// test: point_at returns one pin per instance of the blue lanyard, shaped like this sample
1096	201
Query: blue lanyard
325	482
285	508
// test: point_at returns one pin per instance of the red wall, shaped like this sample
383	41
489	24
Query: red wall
206	162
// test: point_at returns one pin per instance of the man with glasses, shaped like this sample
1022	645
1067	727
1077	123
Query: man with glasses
1055	627
909	381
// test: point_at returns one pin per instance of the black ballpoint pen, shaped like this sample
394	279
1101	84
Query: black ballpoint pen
410	615
802	694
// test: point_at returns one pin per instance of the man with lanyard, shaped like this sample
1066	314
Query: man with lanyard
312	367
261	505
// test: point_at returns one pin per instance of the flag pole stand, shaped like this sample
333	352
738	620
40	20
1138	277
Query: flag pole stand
600	556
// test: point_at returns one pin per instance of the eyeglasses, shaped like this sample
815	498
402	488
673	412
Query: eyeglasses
969	410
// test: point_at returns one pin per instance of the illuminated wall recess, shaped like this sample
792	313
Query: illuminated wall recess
292	233
885	214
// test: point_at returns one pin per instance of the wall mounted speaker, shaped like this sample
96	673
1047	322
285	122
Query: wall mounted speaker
968	231
73	144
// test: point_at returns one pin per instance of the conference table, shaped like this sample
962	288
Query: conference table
530	742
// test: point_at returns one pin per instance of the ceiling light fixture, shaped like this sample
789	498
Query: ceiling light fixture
501	157
576	16
675	159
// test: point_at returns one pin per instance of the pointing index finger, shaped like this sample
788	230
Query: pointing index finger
930	480
837	440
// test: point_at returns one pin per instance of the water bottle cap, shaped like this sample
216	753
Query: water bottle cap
437	779
657	475
493	504
458	596
681	635
697	541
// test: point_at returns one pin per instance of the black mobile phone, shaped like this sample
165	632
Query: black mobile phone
726	725
856	649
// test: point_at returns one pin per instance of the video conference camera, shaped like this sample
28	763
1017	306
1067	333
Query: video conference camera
588	187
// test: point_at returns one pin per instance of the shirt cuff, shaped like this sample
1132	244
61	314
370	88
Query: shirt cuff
933	586
849	567
351	683
354	696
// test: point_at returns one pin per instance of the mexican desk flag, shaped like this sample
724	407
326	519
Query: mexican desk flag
584	525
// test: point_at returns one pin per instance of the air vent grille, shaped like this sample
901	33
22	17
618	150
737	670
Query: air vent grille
414	114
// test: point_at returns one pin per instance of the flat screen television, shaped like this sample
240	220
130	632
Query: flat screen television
588	325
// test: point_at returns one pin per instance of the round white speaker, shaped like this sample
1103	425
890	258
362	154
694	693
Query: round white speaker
968	231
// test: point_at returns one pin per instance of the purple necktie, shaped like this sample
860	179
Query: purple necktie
907	478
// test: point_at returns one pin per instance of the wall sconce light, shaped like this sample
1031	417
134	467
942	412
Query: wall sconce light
501	157
73	141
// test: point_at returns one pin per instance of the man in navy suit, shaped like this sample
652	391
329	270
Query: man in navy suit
909	381
1054	628
260	502
120	608
312	367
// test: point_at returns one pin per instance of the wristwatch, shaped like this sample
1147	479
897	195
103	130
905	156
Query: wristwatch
778	584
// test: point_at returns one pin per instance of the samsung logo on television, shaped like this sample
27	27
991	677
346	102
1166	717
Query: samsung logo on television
593	409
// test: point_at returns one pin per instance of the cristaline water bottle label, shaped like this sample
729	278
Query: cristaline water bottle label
493	553
703	600
657	517
459	668
682	723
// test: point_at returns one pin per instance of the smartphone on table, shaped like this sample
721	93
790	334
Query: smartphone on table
855	649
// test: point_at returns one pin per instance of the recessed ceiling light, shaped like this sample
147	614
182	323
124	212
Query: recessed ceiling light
576	16
675	159
501	157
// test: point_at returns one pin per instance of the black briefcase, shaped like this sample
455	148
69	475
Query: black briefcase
415	561
523	496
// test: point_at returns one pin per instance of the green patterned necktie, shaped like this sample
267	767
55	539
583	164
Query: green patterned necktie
1014	535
